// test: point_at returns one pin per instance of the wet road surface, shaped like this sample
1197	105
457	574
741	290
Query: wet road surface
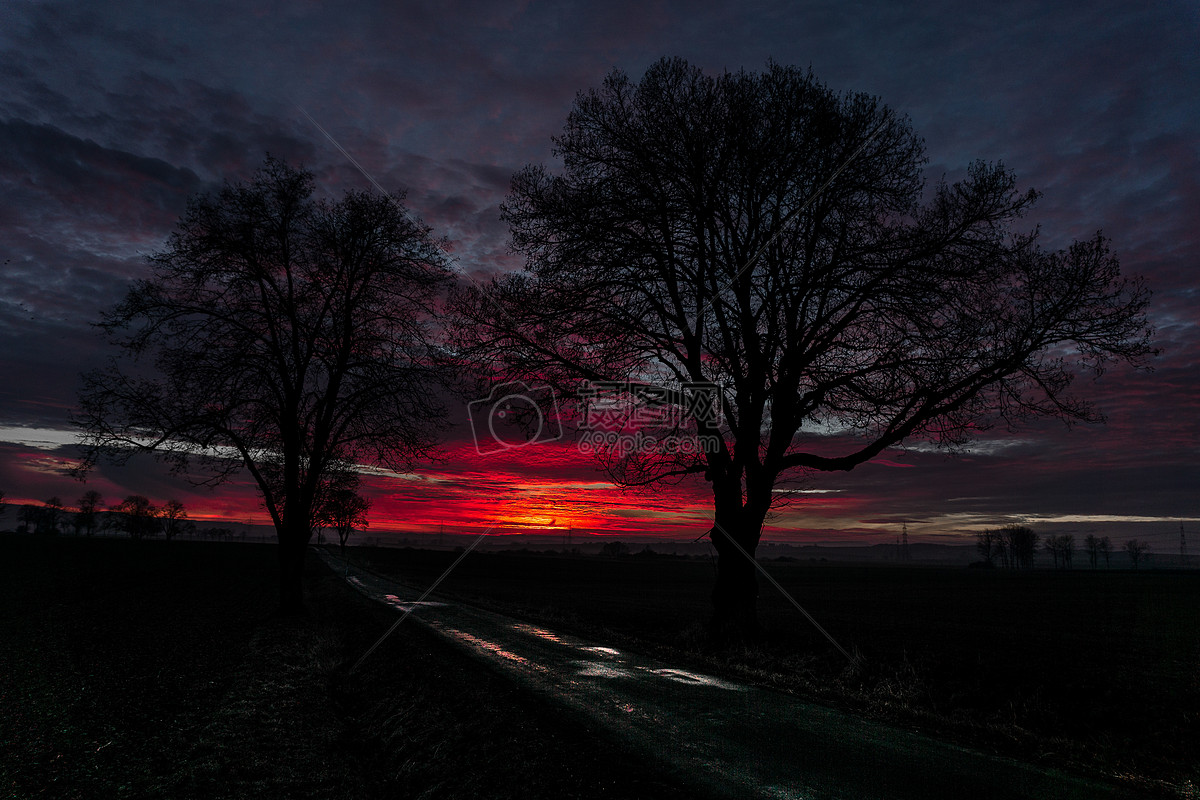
733	738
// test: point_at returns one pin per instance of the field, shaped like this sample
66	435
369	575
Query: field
1091	671
153	669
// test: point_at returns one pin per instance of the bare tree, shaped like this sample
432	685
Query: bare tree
137	516
345	510
28	518
1003	553
1092	545
284	335
1052	547
85	518
1137	551
1062	548
768	236
1105	547
219	534
1021	543
173	516
51	516
3	506
987	543
614	549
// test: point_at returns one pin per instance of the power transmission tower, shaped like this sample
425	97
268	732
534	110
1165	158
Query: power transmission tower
904	543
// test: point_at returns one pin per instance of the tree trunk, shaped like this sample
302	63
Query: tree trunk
735	594
293	546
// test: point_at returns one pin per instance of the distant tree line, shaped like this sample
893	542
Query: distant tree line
136	516
614	549
1098	547
1014	547
343	510
1062	549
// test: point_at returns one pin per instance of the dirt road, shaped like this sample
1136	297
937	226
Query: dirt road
733	738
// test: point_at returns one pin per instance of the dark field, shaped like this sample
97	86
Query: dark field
1098	672
153	669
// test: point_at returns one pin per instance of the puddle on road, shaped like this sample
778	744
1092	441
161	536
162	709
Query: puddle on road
490	647
613	667
599	669
408	605
696	679
606	669
604	651
541	633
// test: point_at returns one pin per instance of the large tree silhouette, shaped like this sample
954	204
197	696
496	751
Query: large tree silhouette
280	334
763	233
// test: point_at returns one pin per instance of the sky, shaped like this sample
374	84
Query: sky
114	114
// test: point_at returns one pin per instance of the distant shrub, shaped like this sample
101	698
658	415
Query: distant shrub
614	549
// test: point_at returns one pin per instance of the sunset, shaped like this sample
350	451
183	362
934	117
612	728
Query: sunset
96	177
809	326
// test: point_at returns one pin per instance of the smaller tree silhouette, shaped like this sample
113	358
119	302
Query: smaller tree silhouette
1002	551
988	544
85	519
174	516
27	518
614	549
1062	549
344	510
1092	545
1136	550
1051	547
1020	544
1105	547
51	516
293	331
3	506
137	516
